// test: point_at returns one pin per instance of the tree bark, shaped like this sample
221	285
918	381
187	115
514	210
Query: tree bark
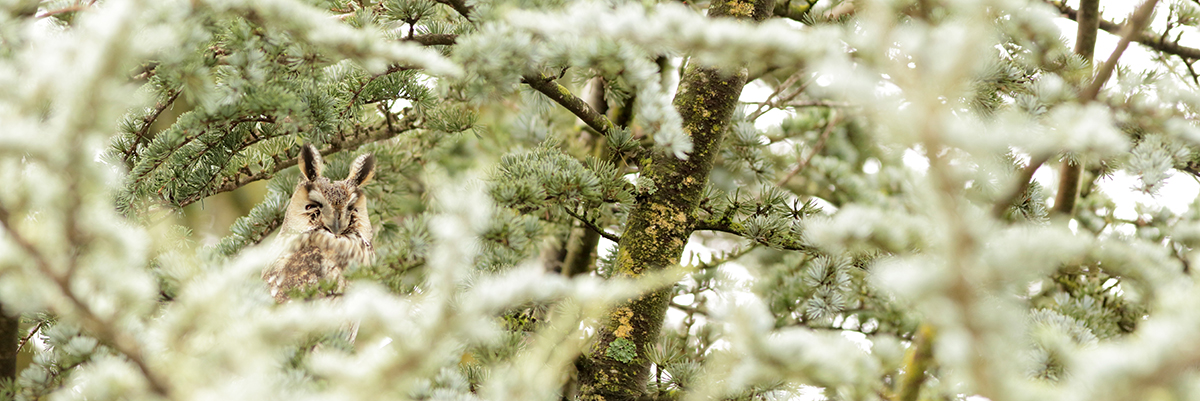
616	368
9	339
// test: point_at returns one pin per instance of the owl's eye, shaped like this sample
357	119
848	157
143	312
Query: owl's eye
313	206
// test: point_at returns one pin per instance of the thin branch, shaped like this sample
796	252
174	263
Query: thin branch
142	135
706	225
689	309
809	103
1068	185
593	226
816	149
919	357
1085	35
1137	22
561	95
63	10
1147	40
728	257
32	332
771	102
433	39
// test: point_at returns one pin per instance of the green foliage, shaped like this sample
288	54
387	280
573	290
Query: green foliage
622	350
881	187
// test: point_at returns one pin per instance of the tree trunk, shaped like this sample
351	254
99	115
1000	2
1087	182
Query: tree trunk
9	339
1085	46
616	368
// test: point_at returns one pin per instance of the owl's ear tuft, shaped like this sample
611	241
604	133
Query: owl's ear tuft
310	162
362	170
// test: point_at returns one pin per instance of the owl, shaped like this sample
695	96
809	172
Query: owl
325	227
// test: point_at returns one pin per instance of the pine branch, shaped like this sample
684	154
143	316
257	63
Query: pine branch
391	70
729	228
1156	43
1023	182
561	95
288	159
142	135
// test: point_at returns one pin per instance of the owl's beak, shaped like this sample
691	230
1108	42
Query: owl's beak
335	222
337	225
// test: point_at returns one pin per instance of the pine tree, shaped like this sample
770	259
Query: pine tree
575	201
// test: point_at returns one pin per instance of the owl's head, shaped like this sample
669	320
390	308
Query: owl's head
338	207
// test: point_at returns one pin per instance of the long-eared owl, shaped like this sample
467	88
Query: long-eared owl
326	227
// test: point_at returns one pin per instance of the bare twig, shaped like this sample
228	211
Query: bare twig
816	149
772	102
690	309
808	103
63	10
559	94
433	39
593	226
29	336
729	229
1137	22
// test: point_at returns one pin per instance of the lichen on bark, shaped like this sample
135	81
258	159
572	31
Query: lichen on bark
662	220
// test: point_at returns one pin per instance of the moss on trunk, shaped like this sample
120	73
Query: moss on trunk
659	226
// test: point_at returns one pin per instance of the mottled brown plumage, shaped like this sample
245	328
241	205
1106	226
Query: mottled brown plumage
326	227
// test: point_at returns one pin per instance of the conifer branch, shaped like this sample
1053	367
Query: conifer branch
143	134
1023	182
1157	43
561	95
91	320
729	228
591	225
288	159
391	70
